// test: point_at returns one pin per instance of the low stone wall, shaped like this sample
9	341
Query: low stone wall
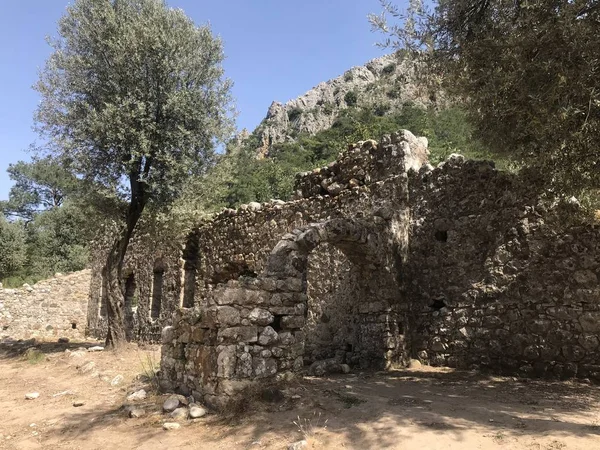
48	310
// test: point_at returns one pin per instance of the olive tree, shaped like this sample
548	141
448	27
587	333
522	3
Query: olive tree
527	72
134	98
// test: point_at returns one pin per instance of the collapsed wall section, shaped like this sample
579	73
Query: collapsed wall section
50	309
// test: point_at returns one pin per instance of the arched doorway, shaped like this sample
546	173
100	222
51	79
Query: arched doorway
351	295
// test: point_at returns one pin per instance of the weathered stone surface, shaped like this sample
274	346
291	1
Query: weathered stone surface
197	411
137	395
180	413
299	445
260	316
50	309
136	413
268	336
171	404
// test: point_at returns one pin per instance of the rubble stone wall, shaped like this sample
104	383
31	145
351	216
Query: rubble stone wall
498	280
290	284
379	259
152	265
48	310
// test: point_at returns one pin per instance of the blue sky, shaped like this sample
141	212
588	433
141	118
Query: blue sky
276	50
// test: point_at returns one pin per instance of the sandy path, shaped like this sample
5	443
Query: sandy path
417	409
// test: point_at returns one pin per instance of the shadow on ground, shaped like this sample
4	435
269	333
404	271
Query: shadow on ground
382	410
15	349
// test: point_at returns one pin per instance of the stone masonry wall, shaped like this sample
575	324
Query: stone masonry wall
267	275
383	258
152	265
48	310
498	281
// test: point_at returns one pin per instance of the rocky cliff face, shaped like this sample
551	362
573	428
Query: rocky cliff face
384	84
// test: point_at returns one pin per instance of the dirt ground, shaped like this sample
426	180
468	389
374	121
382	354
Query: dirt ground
406	409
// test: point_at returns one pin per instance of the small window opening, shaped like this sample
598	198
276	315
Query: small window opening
190	269
130	292
400	326
103	293
437	305
189	287
157	288
441	235
73	325
276	324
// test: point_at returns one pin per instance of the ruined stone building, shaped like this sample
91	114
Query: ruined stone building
380	259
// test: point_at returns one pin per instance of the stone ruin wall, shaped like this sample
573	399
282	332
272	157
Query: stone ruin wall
496	278
459	265
152	275
337	299
48	310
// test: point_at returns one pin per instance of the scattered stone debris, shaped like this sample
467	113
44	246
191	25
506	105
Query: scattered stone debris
171	426
415	364
96	348
117	380
136	413
63	340
78	404
87	367
32	395
137	395
300	445
171	404
180	413
197	411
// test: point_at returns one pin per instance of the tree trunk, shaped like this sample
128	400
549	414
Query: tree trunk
116	335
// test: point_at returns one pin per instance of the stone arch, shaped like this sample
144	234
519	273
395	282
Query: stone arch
373	341
289	257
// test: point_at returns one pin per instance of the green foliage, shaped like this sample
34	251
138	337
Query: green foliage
526	72
394	92
253	179
53	235
34	356
57	241
135	98
133	89
348	76
351	98
12	247
38	185
294	114
389	69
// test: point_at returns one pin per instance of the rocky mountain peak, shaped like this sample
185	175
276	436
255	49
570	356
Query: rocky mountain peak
384	84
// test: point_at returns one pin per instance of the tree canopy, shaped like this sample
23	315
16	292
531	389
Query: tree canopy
134	98
12	247
40	185
527	73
